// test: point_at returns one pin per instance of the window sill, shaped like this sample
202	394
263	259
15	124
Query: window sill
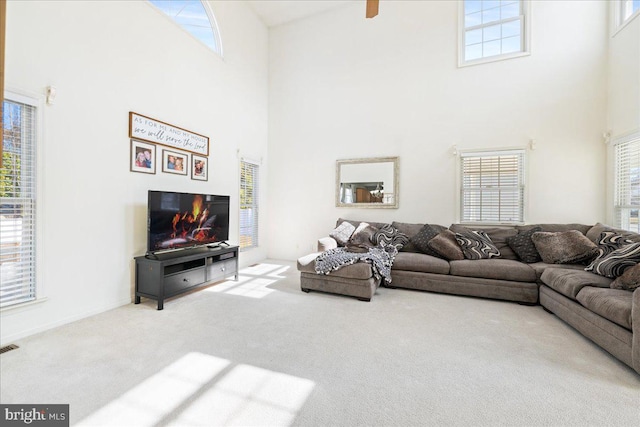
22	305
462	63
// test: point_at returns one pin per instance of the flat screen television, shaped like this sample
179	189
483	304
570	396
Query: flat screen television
183	220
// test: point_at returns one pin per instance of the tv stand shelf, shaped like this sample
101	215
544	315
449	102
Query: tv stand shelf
162	276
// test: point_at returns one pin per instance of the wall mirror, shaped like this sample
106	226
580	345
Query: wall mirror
367	183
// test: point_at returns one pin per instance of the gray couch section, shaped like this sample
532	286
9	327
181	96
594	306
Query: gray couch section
609	317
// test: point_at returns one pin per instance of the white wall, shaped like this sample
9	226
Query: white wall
106	59
341	87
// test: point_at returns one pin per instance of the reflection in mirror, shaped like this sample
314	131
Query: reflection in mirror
371	183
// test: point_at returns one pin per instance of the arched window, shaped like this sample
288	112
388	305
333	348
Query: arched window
195	17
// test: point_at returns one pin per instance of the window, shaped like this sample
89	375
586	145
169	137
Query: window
627	182
18	203
195	17
249	197
492	186
492	30
628	8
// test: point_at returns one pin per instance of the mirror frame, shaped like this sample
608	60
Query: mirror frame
396	186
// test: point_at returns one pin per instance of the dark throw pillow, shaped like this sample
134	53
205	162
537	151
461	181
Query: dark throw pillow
564	247
523	246
615	264
446	245
388	235
476	244
609	241
629	280
421	239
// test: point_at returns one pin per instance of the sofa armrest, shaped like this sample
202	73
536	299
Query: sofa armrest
326	243
635	330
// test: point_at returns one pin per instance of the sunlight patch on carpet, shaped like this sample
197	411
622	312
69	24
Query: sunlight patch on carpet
253	281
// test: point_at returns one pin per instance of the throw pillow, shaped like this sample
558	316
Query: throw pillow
564	247
343	232
446	245
476	244
422	238
614	264
387	235
523	246
609	241
361	239
629	280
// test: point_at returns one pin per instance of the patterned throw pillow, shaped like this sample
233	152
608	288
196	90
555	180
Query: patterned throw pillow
523	246
630	279
422	238
476	244
388	235
446	246
609	241
342	233
614	264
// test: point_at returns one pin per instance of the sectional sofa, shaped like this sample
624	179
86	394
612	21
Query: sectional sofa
554	277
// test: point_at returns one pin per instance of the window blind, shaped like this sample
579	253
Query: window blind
17	204
492	187
249	197
627	182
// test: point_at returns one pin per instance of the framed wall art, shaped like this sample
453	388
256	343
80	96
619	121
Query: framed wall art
175	162
143	157
199	166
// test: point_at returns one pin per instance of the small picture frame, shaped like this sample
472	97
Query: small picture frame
199	167
143	157
175	162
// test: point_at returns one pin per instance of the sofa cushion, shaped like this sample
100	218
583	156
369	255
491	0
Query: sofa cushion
569	282
409	230
476	244
540	267
412	261
554	228
343	232
612	304
523	245
498	236
359	270
630	279
614	264
421	239
446	245
594	233
495	268
564	247
389	235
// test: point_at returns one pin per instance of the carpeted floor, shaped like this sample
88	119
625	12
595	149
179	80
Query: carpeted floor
261	352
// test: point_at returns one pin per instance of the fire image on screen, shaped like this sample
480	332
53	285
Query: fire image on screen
178	220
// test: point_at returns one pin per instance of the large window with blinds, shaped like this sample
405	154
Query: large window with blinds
627	182
18	203
492	187
249	206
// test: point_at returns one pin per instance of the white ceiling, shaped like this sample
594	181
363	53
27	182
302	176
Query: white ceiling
277	12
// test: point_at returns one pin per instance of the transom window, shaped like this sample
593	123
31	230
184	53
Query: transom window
492	30
628	8
492	186
195	17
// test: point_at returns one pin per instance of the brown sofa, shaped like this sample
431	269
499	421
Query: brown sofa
609	317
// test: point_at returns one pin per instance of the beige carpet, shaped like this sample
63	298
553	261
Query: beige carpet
261	352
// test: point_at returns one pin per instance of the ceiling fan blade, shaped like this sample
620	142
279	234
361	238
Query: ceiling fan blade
372	8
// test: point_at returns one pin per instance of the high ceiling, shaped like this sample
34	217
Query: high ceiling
277	12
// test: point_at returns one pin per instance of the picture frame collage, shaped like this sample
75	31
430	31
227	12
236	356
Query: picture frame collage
177	156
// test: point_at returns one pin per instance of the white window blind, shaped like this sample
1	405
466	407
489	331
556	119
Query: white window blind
492	187
627	182
249	197
492	29
17	204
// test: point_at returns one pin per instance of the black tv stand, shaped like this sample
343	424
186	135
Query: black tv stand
164	275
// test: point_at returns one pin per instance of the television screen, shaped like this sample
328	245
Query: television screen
179	220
